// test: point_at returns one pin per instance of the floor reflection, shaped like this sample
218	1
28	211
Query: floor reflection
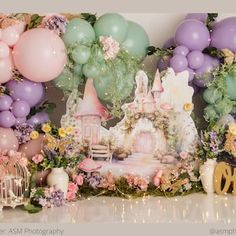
198	208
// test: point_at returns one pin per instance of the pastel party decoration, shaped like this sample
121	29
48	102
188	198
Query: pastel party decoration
4	50
38	118
5	102
8	140
7	119
10	36
6	66
40	48
20	109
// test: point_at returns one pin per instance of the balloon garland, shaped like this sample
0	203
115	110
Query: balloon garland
109	51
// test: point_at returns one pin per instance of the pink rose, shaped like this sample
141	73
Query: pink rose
23	161
70	196
37	158
79	179
183	155
72	187
157	178
110	47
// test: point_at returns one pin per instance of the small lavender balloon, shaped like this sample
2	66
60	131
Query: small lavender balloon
178	63
195	59
191	74
7	119
20	109
5	102
26	90
197	16
193	34
203	74
181	50
39	118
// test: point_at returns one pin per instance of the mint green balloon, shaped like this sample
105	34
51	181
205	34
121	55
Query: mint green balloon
81	54
103	87
66	81
210	113
91	70
224	106
211	95
125	86
77	69
230	82
78	31
112	24
137	41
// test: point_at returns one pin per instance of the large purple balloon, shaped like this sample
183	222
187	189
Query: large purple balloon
7	119
39	118
197	16
181	50
193	34
195	59
26	90
20	109
204	71
5	102
224	34
178	63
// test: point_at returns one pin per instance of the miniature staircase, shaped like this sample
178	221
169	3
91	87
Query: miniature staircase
100	152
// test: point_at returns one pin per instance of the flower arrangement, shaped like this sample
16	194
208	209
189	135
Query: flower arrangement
218	143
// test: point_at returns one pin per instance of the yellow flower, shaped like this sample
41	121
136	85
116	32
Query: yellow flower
188	106
232	128
34	135
230	146
62	132
46	128
69	130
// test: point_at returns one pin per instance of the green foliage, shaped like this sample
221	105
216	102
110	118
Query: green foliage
211	19
91	18
31	208
47	106
34	21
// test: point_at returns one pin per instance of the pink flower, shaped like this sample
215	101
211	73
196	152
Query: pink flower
157	178
79	179
70	196
183	155
23	161
37	158
72	190
110	47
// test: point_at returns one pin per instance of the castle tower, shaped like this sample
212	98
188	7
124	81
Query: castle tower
157	88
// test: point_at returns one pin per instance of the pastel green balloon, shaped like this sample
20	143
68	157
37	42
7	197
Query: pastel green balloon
103	86
81	54
125	86
224	106
78	69
78	31
91	70
210	113
137	41
66	81
211	95
112	24
230	82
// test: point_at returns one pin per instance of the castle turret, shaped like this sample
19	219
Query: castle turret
157	88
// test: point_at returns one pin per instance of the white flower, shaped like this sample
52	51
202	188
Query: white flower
110	47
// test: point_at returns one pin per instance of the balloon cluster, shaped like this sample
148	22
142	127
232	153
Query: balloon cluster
107	52
15	107
9	36
191	38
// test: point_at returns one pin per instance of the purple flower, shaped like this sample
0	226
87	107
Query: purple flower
94	180
57	198
22	132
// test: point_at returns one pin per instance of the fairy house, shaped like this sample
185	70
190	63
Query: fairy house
154	117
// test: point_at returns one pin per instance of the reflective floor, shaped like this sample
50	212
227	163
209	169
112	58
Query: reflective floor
194	208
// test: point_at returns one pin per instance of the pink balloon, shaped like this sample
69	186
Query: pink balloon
19	27
0	34
40	55
10	36
6	66
8	140
4	50
33	147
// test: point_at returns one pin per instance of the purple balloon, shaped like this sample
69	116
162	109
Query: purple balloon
169	43
193	34
195	59
191	74
204	71
197	16
224	34
163	63
20	121
26	90
39	118
178	63
5	102
20	109
181	50
7	119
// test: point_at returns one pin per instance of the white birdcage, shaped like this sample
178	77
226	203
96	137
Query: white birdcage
14	183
